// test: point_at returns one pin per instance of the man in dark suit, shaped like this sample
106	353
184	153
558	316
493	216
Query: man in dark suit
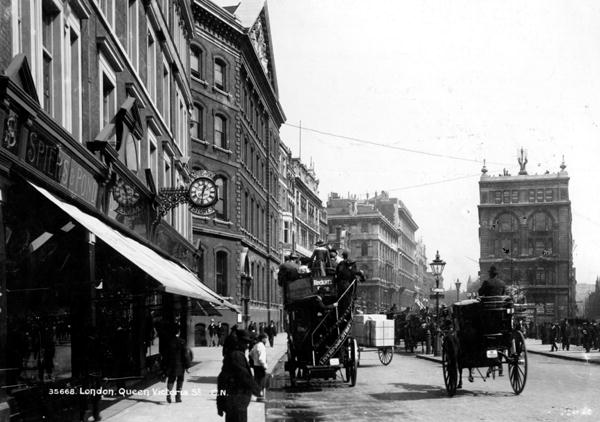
236	383
493	286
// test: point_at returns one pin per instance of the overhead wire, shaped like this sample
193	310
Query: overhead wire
389	146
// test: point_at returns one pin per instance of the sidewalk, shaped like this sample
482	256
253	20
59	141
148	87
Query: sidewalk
198	395
534	346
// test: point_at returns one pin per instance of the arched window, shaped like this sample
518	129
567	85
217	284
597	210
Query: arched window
221	205
364	249
221	272
507	223
197	128
220	74
196	62
540	222
220	136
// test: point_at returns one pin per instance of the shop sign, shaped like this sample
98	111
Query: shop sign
49	158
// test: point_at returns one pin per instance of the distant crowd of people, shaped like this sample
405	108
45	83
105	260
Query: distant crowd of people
217	332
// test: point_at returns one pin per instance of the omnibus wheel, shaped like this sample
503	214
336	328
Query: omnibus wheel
352	361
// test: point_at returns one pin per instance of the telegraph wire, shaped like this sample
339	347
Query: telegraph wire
365	141
433	183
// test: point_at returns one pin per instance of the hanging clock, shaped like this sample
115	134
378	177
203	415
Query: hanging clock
203	192
125	195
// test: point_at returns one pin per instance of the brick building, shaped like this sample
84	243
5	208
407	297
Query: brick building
235	134
525	231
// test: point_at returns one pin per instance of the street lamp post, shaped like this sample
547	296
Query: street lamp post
457	283
246	284
437	267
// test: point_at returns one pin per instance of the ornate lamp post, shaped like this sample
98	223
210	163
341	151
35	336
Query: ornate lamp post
457	284
437	267
246	285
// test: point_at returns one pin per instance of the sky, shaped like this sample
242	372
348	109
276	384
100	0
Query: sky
419	93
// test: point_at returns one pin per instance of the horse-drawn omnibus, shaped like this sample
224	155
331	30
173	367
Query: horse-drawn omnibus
319	304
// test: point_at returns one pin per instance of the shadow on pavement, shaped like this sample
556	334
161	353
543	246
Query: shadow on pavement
415	392
202	380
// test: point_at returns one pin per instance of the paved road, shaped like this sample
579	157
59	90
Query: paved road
412	389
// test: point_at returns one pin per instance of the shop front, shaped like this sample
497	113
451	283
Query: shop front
84	293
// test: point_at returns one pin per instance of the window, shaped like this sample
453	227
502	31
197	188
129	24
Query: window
48	52
108	97
531	195
220	74
167	173
221	205
181	124
153	156
151	63
507	223
549	195
364	227
515	196
540	195
246	208
197	129
364	249
132	32
506	196
221	273
166	94
167	179
540	222
72	83
498	197
220	134
286	232
196	62
108	9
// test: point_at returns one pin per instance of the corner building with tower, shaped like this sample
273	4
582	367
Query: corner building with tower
525	231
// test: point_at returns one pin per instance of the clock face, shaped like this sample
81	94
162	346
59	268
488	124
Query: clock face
203	192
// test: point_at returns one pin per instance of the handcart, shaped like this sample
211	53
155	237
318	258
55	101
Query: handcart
374	332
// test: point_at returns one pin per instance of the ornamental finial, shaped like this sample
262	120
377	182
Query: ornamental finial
563	166
522	161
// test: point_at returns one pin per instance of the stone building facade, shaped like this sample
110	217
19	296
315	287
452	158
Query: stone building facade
525	231
379	234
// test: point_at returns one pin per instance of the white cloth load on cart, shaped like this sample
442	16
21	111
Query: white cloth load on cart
373	330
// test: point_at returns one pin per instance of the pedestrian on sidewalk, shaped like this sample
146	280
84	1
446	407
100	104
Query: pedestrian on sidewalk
553	337
271	332
235	382
258	356
213	331
174	364
565	331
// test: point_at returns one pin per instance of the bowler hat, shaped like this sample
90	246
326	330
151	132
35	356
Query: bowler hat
293	256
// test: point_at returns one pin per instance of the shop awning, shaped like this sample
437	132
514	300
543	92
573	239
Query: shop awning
204	308
174	277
